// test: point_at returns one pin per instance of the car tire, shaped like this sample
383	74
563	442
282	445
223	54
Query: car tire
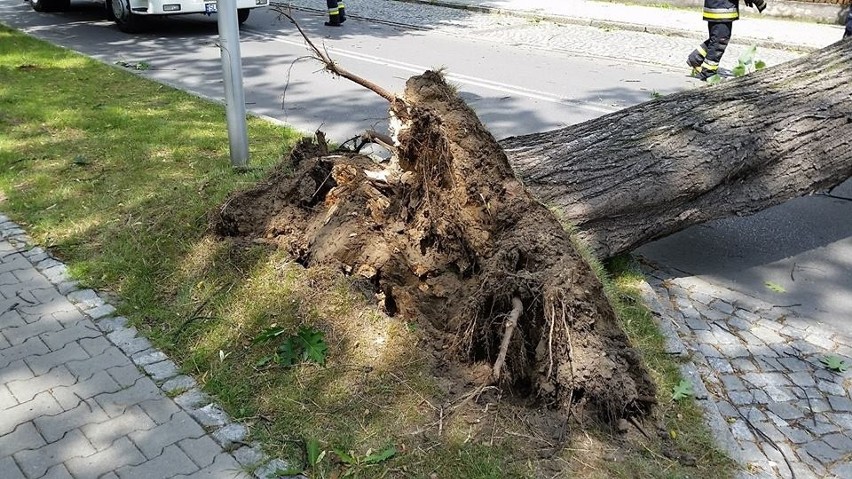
125	19
242	15
50	5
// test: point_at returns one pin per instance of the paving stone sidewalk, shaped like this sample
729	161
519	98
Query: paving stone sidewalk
83	396
780	408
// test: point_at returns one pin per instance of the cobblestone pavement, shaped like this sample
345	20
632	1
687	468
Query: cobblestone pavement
588	41
82	396
781	409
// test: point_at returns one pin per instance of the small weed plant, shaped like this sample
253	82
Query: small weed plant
746	63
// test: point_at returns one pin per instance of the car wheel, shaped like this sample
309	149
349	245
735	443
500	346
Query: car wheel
242	15
125	19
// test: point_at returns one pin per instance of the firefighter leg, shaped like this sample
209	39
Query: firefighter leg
333	14
696	58
341	8
720	35
848	32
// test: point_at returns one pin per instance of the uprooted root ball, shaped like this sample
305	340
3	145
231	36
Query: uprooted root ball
449	236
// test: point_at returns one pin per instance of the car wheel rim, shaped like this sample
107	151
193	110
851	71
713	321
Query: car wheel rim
120	10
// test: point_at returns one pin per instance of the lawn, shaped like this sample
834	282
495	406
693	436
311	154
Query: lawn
116	175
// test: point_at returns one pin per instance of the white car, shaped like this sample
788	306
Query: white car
130	15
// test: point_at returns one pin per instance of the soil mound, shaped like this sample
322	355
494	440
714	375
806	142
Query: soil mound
447	235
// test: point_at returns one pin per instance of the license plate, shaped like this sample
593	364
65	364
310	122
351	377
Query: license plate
209	8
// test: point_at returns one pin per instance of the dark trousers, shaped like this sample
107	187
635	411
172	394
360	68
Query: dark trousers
848	32
706	57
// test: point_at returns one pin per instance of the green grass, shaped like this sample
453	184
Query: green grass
117	175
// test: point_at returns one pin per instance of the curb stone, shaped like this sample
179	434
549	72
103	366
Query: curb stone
150	361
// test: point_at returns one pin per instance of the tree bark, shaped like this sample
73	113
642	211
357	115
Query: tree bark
648	171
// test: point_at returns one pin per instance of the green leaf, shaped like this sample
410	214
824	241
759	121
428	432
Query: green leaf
143	66
312	447
267	334
714	79
739	70
775	287
264	361
748	55
682	390
288	353
344	457
380	456
312	344
835	364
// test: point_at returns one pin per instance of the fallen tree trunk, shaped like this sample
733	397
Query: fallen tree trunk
645	172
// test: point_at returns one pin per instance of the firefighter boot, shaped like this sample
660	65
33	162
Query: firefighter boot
333	21
342	9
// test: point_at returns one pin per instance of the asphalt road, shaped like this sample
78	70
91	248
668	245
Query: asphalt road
572	75
514	89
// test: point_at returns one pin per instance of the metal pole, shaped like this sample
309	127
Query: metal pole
232	72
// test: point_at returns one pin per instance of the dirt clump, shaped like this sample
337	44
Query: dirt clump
448	236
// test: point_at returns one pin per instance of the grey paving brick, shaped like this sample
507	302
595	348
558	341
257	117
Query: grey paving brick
25	436
102	435
14	262
52	428
3	342
179	384
844	420
210	416
231	435
116	403
269	469
840	441
819	426
192	399
100	382
121	453
111	324
112	357
821	341
10	318
69	316
162	371
67	286
743	365
46	362
58	471
249	455
16	371
27	389
840	471
840	403
9	279
803	379
47	294
832	388
57	339
149	356
85	299
160	409
7	400
823	453
42	404
201	450
732	382
170	463
96	346
154	441
779	394
57	274
766	335
126	374
10	470
101	311
786	411
19	334
740	398
128	341
36	462
223	466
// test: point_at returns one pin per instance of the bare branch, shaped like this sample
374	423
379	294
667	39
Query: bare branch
329	64
517	307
